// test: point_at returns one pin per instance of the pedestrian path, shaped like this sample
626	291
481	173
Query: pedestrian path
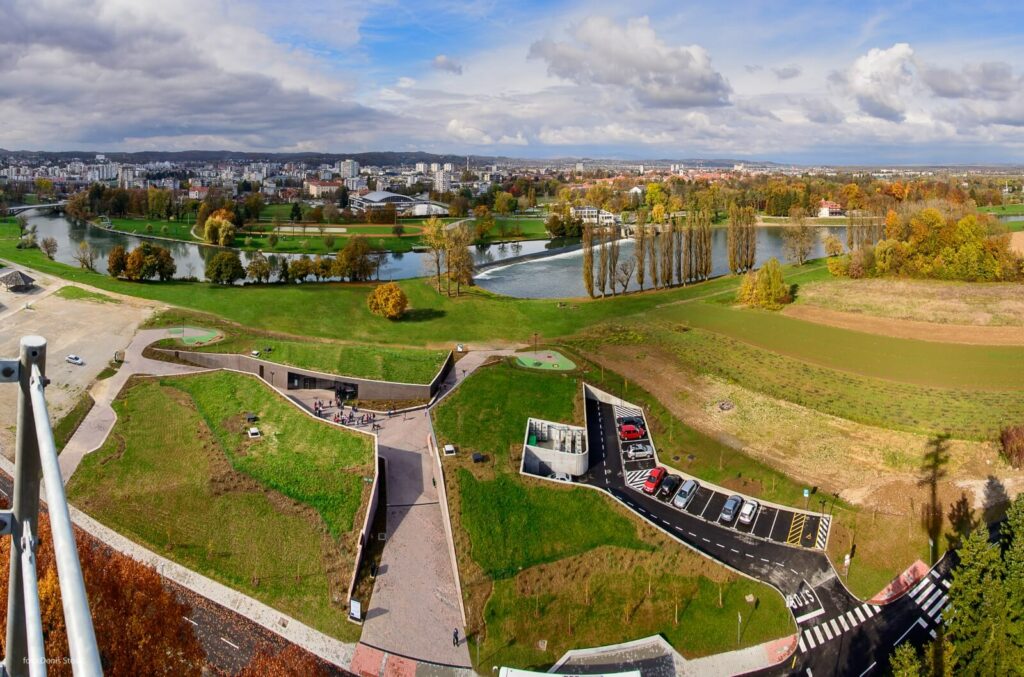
932	596
832	628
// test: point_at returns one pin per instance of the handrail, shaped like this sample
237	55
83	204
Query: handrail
35	455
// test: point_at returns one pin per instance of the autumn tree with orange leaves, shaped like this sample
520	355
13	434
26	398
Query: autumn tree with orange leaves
291	661
139	623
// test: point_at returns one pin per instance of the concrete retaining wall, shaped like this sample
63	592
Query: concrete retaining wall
276	374
371	513
443	501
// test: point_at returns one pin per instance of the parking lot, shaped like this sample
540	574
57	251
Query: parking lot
774	523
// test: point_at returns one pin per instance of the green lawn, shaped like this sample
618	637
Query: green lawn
403	365
530	228
166	481
1003	210
307	460
65	428
559	556
77	293
177	230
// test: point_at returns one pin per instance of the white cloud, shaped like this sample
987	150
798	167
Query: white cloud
443	62
461	131
787	72
634	59
878	78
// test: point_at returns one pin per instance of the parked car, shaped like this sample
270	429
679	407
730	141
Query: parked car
631	432
74	359
685	494
653	480
731	507
749	511
560	477
669	487
638	421
638	450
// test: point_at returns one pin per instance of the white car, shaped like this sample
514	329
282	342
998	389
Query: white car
749	511
74	359
560	477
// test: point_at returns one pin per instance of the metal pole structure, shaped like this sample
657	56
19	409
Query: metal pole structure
33	615
81	635
25	506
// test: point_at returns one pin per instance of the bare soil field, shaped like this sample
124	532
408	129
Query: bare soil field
956	303
87	328
910	329
867	465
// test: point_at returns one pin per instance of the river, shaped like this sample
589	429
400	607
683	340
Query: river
191	257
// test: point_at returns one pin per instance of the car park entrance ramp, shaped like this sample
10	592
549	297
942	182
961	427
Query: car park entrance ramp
630	453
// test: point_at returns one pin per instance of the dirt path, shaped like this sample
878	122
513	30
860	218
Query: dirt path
910	329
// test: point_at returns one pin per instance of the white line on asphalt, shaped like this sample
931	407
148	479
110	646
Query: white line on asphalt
809	673
706	540
706	506
935	574
853	619
826	630
835	626
678	528
919	621
810	638
817	633
870	667
931	600
763	559
770	531
190	621
932	633
794	571
735	550
664	521
803	648
860	616
228	643
842	622
747	554
922	591
945	583
938	607
692	534
809	615
779	564
720	546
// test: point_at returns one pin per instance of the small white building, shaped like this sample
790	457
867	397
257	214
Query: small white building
554	448
828	208
593	215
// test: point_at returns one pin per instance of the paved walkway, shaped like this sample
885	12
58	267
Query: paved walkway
101	418
415	604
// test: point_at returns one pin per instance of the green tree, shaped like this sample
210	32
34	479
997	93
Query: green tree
296	214
258	268
904	661
588	260
978	617
435	237
764	288
225	268
640	250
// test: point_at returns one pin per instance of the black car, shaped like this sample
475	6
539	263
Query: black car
669	486
638	421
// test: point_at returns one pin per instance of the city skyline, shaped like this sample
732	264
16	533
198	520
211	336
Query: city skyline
822	85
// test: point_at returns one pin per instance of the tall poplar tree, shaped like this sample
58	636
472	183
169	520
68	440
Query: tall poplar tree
666	256
640	251
588	260
613	260
602	261
652	254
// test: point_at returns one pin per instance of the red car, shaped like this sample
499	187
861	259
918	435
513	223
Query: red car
631	432
654	480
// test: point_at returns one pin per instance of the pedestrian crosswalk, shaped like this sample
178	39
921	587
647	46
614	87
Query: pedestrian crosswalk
622	411
932	595
823	532
834	627
636	478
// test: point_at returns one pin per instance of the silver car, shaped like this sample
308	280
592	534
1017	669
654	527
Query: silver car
638	450
686	494
729	510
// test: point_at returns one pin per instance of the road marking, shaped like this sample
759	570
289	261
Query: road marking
817	633
229	643
734	550
774	520
764	559
870	668
823	525
706	505
931	600
190	621
678	528
692	534
803	647
827	631
706	540
853	619
809	673
945	583
809	615
860	616
794	571
796	528
932	633
922	589
919	621
842	622
810	638
664	521
720	546
835	626
747	554
938	607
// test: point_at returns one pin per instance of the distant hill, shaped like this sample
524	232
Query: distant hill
370	158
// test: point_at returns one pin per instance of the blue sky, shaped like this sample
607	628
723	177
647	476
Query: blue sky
889	83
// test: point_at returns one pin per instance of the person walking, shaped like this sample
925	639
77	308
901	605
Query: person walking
455	637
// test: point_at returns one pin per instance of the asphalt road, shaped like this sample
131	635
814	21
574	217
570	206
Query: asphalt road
839	634
229	639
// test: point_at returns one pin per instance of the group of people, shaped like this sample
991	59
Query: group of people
351	418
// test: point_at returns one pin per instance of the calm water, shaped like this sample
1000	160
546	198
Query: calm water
561	275
191	258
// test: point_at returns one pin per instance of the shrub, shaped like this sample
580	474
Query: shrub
329	242
1012	439
839	266
833	246
388	300
272	240
765	288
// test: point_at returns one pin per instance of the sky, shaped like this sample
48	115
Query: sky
802	82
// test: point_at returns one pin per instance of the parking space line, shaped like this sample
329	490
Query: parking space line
706	505
776	519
